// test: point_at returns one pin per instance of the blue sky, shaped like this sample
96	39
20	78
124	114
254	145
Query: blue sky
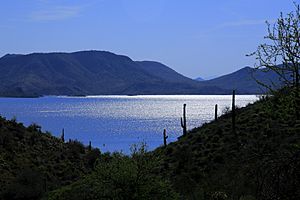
194	37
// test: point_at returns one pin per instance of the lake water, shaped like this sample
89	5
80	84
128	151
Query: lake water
113	123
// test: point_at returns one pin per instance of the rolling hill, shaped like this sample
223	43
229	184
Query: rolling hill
91	73
244	81
105	73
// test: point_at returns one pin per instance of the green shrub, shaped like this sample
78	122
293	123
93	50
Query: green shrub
122	177
29	184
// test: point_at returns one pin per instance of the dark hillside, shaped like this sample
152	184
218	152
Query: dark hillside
260	161
32	162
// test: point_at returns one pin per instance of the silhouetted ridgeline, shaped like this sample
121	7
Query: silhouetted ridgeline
104	73
244	81
91	73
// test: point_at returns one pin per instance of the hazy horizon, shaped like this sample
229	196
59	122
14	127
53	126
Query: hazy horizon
196	38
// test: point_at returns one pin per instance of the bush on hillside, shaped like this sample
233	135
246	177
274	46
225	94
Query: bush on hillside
122	177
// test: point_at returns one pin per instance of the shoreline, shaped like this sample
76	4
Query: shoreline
123	95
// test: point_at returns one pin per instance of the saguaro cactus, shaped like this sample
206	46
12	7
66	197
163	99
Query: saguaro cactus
216	112
233	111
90	145
165	138
183	120
62	137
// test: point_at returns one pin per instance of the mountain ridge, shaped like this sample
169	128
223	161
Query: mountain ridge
245	80
91	73
95	72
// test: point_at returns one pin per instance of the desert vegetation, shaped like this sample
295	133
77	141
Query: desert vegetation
249	153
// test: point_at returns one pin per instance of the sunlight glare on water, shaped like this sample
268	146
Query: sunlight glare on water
113	123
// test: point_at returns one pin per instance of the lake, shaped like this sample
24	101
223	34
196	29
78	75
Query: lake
114	123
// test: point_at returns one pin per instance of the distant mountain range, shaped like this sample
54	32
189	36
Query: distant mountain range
91	73
105	73
245	81
199	79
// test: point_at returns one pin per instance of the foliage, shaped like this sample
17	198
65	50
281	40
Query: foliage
282	53
28	184
122	177
260	161
33	162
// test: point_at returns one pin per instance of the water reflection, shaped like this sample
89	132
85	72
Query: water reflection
117	121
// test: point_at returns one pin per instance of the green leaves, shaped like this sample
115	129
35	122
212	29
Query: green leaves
120	177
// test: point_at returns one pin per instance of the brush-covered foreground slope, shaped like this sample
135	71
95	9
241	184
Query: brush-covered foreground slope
91	73
261	160
244	81
32	162
133	177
